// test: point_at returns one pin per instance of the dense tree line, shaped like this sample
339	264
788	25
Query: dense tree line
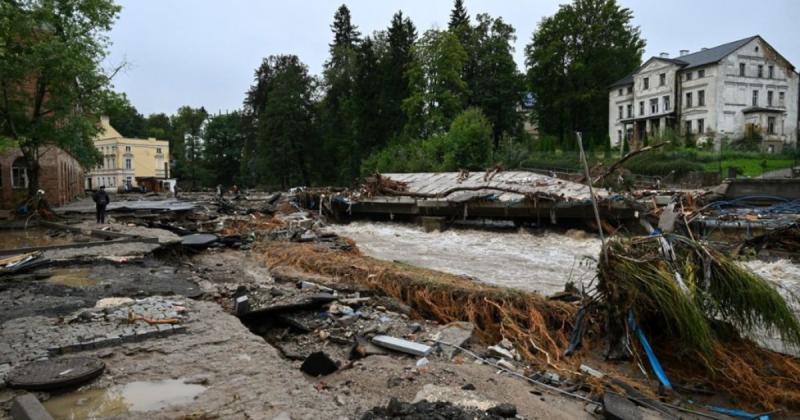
401	100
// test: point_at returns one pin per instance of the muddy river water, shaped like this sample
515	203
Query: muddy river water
532	261
541	262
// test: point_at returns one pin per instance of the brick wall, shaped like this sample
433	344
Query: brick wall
60	176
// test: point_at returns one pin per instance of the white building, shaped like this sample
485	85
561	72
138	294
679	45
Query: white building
711	94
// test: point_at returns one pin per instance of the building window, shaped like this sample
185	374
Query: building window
128	181
769	98
128	164
654	106
688	99
700	128
689	75
158	149
619	93
771	72
662	79
688	127
127	148
781	99
619	112
770	125
19	173
701	98
646	82
630	111
760	71
619	135
755	98
641	107
741	69
630	90
701	73
666	103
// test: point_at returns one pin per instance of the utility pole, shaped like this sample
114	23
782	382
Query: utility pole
591	189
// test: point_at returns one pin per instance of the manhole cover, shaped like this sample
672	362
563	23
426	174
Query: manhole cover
199	239
55	373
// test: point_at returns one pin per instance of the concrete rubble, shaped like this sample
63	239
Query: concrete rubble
181	289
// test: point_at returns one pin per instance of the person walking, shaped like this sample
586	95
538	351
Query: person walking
101	200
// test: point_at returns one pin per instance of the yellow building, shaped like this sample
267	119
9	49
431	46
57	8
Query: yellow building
125	160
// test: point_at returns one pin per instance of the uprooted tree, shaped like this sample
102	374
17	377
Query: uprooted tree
51	79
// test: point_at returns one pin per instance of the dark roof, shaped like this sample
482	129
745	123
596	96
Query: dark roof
697	59
713	55
627	80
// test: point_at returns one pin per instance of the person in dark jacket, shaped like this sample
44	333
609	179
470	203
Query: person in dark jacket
101	200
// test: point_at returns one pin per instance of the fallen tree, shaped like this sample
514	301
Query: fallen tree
697	304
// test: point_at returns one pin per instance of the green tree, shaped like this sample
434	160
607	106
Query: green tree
279	108
458	16
337	108
50	76
123	115
394	68
187	145
437	91
572	59
222	152
469	141
496	84
159	126
368	126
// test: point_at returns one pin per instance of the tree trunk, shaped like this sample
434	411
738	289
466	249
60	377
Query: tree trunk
32	161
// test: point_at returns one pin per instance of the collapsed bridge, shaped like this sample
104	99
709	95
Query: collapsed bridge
513	195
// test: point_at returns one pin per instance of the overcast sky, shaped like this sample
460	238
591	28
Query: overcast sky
204	52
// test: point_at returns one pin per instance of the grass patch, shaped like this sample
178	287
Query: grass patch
751	167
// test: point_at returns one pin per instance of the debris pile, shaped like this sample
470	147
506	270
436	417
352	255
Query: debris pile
424	410
696	303
536	326
378	184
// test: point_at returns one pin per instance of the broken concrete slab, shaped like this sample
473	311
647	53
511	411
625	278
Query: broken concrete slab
401	345
501	352
454	395
454	334
27	407
199	240
617	407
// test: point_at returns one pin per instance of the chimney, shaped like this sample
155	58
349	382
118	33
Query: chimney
664	55
703	49
684	52
105	120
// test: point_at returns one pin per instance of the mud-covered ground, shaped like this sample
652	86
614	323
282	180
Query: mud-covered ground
232	372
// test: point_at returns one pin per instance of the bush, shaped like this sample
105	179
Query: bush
468	144
662	164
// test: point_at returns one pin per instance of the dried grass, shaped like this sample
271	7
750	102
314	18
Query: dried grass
537	326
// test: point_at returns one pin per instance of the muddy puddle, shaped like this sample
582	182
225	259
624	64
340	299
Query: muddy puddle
141	396
541	262
36	237
72	277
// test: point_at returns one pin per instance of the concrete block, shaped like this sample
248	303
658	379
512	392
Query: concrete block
401	345
27	407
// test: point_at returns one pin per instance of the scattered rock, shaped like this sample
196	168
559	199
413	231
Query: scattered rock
468	387
455	333
501	352
504	410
